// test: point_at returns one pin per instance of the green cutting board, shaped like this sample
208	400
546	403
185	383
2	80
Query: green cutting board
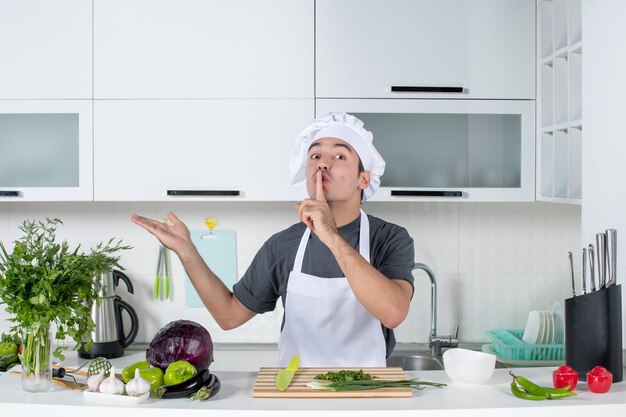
219	251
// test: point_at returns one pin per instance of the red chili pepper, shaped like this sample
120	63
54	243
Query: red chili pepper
565	376
599	380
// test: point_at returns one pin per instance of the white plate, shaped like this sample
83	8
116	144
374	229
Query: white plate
512	362
551	324
559	323
532	332
112	398
544	329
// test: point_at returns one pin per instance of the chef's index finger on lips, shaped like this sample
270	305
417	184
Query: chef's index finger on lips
319	182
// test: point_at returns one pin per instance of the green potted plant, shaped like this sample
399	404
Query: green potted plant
48	287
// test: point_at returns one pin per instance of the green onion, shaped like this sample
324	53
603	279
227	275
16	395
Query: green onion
371	384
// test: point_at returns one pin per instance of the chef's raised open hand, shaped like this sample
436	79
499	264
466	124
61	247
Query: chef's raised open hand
171	233
316	214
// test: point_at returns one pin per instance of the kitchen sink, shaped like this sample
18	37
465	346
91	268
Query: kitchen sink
415	361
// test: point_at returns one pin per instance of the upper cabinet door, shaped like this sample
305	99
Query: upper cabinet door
484	47
203	49
196	150
46	150
45	49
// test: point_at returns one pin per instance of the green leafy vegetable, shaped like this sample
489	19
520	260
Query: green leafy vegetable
344	375
356	385
44	283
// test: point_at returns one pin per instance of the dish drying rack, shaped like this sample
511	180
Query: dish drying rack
508	344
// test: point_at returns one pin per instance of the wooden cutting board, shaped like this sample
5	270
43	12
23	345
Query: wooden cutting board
264	386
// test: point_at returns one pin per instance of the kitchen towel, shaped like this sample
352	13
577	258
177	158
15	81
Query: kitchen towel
219	251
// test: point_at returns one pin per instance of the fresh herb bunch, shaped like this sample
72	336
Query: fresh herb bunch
43	282
345	375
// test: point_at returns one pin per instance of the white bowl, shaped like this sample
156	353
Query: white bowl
467	366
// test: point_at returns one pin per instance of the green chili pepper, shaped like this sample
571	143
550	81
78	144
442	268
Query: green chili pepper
525	395
528	390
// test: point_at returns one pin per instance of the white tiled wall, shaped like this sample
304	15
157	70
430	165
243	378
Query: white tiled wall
494	262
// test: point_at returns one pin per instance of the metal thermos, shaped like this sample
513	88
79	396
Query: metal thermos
109	338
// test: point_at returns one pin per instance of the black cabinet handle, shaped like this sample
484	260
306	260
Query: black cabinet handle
209	193
9	193
411	193
424	89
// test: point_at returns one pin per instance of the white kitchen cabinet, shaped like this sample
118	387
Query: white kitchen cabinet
45	49
46	150
203	49
449	150
559	101
196	150
484	47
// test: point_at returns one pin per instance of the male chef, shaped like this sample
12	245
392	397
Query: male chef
344	277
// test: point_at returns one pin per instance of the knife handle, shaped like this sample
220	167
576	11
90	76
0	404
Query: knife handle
571	270
592	269
601	254
584	272
611	255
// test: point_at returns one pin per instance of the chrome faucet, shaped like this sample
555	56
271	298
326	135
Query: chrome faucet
436	342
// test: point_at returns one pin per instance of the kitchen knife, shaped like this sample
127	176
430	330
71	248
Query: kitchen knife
611	254
584	286
284	376
571	270
601	254
592	270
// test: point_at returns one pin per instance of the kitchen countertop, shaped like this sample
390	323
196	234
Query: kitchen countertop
235	398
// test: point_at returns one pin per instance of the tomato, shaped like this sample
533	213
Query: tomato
178	372
599	380
565	376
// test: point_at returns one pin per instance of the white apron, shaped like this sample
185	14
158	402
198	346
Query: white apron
325	323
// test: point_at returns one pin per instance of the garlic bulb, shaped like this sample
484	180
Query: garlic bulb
112	385
137	386
94	381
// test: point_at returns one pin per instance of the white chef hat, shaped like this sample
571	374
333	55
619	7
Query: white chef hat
342	126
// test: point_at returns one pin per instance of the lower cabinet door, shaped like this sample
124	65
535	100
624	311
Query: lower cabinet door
196	150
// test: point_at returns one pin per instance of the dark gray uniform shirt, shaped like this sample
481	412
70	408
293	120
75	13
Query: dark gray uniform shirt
391	253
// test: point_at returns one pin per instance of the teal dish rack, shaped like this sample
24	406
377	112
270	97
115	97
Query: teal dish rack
508	344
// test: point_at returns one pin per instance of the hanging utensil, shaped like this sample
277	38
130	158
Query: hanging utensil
611	254
601	254
592	270
571	269
584	273
166	260
157	278
162	279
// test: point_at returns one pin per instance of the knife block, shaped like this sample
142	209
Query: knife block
593	331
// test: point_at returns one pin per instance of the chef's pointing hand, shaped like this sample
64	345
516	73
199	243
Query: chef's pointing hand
172	232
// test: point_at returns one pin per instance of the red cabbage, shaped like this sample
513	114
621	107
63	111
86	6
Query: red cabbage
181	340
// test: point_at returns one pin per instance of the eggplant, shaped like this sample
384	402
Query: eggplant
209	390
203	379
